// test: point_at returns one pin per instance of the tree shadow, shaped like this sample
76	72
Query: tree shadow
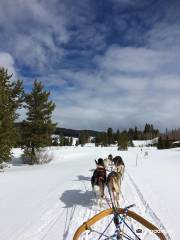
17	161
77	197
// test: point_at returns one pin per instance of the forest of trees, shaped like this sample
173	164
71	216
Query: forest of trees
124	138
36	131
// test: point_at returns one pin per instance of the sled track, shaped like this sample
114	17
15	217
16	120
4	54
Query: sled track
148	209
134	194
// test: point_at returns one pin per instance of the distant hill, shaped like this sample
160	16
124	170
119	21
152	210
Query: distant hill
72	132
68	132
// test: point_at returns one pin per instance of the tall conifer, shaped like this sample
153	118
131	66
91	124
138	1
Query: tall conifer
11	97
38	127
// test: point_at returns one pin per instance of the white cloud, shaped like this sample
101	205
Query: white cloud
7	62
32	30
128	85
129	88
132	59
167	82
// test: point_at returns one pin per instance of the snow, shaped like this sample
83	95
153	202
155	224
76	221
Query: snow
176	142
144	143
50	201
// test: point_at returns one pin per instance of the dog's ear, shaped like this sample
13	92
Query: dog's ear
96	162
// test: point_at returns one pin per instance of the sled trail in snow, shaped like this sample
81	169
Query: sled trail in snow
49	202
130	194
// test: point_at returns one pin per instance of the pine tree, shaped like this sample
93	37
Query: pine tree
66	141
38	127
71	141
160	144
83	137
110	136
61	139
98	139
167	143
77	143
123	141
117	135
11	97
135	134
104	139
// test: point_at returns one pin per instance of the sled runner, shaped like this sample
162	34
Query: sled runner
119	219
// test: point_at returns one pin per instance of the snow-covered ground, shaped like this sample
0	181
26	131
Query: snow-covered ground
50	201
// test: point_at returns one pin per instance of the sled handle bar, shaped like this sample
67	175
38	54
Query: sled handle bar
86	225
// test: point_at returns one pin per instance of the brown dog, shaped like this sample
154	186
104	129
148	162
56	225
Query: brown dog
119	165
114	186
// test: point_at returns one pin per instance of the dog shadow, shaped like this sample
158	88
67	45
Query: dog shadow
83	178
77	197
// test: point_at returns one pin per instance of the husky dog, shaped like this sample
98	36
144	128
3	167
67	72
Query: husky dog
119	165
107	163
98	181
110	157
114	186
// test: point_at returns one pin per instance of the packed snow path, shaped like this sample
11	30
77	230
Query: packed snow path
50	201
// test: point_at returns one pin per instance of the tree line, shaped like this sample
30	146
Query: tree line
36	130
122	139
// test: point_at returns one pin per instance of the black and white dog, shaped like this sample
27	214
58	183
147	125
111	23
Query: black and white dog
98	181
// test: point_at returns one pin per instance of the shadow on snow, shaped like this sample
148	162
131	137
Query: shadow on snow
77	197
83	178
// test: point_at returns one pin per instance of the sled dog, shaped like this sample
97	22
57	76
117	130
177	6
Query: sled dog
119	165
98	181
114	186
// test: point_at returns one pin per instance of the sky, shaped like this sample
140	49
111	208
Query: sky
107	63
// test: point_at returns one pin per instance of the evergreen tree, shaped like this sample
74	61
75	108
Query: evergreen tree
167	143
62	140
98	139
135	133
83	137
11	97
160	144
77	143
38	127
104	139
123	141
116	137
130	134
66	141
110	136
130	143
71	141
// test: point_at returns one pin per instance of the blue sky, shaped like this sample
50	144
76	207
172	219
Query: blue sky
107	63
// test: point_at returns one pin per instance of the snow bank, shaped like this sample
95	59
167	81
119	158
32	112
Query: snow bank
50	201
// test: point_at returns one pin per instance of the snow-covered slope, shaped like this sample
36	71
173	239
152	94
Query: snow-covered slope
144	143
50	201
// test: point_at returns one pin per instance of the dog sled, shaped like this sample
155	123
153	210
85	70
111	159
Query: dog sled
120	219
126	223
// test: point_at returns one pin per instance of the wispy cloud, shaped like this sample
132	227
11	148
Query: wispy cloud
7	61
107	63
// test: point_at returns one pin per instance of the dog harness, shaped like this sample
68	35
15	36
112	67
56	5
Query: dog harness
99	175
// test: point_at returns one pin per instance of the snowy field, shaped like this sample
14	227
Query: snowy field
48	202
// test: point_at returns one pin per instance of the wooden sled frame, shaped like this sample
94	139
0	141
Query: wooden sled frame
86	225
